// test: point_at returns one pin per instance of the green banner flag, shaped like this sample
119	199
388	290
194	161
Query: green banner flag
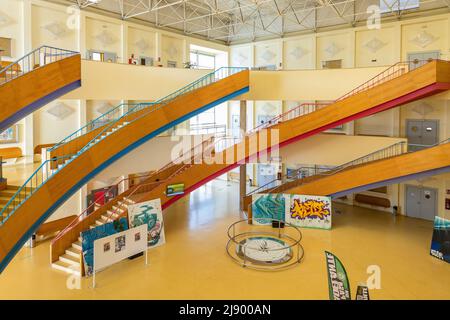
338	285
362	293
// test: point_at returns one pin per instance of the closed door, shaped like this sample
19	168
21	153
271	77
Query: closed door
267	175
421	133
421	202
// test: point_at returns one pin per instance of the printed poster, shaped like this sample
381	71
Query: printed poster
362	293
267	206
440	243
309	211
89	236
150	213
338	284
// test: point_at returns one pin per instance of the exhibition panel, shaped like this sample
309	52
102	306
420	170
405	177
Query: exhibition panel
36	79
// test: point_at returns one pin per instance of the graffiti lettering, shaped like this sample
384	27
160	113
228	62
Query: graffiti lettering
313	209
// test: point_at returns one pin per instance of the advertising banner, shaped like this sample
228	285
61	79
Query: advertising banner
440	243
362	293
309	211
89	236
338	284
149	213
267	206
175	189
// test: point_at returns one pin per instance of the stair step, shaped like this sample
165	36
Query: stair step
70	259
73	252
106	218
99	222
77	245
68	268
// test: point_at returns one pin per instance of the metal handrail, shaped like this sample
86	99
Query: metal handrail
205	80
33	60
393	150
31	185
15	201
365	159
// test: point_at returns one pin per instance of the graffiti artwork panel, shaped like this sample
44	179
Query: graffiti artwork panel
150	213
267	206
309	211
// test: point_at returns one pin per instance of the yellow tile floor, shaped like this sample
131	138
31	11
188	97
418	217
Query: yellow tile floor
193	263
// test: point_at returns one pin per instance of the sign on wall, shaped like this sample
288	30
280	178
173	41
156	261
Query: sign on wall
440	243
148	213
89	236
175	189
309	211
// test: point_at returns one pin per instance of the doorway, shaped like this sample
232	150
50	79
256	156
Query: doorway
421	133
421	202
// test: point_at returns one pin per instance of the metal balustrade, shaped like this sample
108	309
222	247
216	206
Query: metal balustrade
45	171
33	60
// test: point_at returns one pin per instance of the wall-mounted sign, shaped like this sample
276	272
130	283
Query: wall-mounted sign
175	189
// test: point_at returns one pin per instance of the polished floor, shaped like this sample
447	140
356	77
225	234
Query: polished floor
193	263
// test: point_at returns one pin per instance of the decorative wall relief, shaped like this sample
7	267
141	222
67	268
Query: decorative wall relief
5	19
56	29
423	108
142	44
268	108
374	45
60	111
423	39
268	55
105	38
298	53
172	51
332	49
105	107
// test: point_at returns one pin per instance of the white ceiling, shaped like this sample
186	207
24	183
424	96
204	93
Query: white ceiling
236	21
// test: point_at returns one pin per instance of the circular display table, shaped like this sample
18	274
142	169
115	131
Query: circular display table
265	244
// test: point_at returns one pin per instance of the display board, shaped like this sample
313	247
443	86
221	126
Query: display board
300	210
150	214
309	211
440	243
119	246
267	206
89	236
175	189
338	283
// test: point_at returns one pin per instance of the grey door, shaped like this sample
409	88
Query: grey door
428	204
267	175
421	202
418	59
421	133
413	196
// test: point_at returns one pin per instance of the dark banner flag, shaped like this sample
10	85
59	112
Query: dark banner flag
338	285
440	243
362	293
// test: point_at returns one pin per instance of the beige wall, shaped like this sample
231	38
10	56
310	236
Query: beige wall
306	84
105	81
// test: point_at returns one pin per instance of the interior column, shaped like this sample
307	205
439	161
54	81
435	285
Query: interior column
242	168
